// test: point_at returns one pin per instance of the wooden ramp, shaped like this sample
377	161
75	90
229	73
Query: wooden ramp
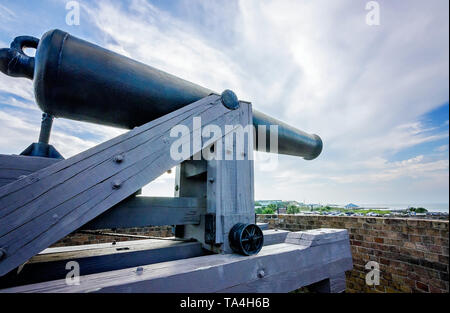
39	209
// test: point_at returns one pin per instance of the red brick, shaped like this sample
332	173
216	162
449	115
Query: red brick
422	286
379	240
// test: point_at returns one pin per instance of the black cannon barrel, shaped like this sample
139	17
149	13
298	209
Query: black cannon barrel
81	81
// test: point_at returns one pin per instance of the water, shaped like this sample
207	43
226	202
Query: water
431	207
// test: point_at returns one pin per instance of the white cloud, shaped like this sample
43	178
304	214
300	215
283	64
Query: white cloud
442	148
313	64
6	14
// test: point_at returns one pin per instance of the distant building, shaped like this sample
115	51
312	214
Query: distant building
282	211
351	206
267	202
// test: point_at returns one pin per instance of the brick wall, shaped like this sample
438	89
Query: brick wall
412	253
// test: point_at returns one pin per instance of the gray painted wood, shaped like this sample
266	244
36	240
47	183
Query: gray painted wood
274	236
12	167
95	258
191	186
149	211
229	186
51	265
277	268
194	168
49	204
335	284
263	226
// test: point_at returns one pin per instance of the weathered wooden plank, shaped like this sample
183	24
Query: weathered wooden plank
51	265
78	190
12	167
274	236
229	185
26	163
263	226
233	189
192	186
194	168
101	153
277	268
6	181
150	211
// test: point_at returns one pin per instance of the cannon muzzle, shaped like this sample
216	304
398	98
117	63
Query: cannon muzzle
81	81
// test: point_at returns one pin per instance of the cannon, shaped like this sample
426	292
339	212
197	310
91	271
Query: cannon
77	80
44	197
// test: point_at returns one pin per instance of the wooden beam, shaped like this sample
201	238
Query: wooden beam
274	236
51	203
150	211
228	185
277	268
14	166
51	263
96	258
194	168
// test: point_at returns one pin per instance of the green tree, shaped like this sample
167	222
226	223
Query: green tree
272	207
268	210
292	209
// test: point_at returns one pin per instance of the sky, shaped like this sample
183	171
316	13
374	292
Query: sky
378	95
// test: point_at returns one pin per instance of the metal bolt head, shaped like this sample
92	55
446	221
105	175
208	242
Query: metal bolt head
117	184
229	99
140	270
118	158
2	253
177	187
261	273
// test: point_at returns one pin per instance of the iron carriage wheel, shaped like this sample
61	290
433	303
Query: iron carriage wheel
246	239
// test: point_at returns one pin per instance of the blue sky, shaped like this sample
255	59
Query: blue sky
377	95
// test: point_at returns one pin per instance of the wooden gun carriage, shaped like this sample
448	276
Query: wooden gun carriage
218	244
